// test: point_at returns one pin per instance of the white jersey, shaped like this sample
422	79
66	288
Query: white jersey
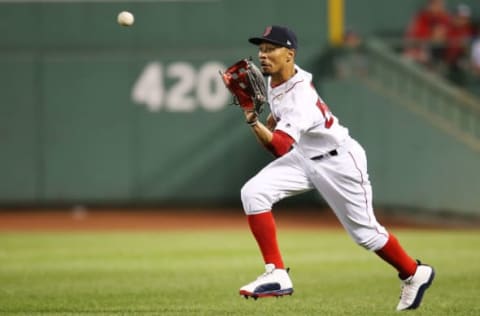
302	114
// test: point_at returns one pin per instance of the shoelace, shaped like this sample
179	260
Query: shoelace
402	288
265	274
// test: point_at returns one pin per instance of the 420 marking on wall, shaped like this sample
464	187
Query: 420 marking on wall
181	87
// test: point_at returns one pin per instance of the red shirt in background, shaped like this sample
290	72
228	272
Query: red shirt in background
424	24
459	35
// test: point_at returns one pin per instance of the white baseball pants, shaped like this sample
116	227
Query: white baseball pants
342	180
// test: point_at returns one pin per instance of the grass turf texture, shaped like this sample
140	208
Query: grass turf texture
199	273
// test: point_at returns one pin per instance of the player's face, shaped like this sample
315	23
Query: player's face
273	58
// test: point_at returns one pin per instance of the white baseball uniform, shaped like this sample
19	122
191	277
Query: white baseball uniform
338	170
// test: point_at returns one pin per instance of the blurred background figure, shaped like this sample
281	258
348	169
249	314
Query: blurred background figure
475	54
350	58
352	39
426	34
473	83
343	61
459	36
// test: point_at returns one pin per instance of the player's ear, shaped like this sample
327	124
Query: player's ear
290	55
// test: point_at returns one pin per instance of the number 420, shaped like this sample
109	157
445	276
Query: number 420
191	88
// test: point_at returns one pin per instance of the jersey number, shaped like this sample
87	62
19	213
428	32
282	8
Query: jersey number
326	113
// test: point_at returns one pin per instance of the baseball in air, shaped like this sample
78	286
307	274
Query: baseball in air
125	18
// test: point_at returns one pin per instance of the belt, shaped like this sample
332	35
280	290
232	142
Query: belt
330	153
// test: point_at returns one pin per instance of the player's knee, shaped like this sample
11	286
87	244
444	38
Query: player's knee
253	200
371	242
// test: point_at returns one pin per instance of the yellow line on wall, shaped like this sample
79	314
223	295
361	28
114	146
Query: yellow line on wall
335	21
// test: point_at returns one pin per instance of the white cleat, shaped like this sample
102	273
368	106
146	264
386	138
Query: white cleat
274	282
414	287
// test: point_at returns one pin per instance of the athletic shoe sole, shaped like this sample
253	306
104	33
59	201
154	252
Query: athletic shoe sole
276	293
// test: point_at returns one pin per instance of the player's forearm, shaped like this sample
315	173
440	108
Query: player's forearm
262	133
271	123
277	142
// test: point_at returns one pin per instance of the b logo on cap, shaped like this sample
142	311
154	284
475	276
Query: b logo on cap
268	30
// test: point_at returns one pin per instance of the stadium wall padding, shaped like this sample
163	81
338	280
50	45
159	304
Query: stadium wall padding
92	112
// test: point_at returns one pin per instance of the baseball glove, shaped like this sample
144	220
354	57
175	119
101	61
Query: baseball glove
245	82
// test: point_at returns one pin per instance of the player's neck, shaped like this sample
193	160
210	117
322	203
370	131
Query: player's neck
283	76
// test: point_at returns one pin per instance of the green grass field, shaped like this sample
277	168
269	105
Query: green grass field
199	273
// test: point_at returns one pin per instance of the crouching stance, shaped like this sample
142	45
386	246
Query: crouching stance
314	152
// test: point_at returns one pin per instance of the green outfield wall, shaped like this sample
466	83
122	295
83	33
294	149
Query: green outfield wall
95	113
411	161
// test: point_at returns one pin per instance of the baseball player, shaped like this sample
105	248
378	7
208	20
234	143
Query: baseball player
314	152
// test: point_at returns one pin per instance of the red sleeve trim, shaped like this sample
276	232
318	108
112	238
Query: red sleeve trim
281	143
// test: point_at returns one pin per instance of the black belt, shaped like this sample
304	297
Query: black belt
330	153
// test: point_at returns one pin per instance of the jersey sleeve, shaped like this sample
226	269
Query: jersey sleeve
281	143
290	124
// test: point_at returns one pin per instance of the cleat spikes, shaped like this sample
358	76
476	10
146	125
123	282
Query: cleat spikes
273	283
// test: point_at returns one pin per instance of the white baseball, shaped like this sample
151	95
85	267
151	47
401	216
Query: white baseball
125	18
